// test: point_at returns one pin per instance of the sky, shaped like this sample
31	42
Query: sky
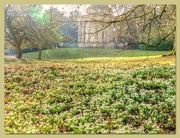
67	8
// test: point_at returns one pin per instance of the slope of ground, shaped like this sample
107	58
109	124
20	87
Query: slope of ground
78	53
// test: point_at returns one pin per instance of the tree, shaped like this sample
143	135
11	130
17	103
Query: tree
31	26
158	26
42	30
15	26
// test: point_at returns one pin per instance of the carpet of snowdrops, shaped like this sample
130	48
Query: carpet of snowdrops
89	99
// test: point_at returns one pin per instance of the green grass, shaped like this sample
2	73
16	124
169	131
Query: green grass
79	53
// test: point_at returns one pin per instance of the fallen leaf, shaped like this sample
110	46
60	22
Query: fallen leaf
63	129
108	119
27	102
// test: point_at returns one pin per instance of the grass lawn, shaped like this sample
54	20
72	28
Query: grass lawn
76	53
90	96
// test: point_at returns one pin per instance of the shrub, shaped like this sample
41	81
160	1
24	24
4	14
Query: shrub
164	46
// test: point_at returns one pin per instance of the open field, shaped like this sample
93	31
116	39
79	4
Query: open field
93	95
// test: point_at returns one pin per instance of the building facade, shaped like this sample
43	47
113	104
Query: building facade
95	28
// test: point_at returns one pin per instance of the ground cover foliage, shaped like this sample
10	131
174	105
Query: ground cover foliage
89	98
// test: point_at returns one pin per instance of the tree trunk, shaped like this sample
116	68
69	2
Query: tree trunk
18	52
173	51
40	53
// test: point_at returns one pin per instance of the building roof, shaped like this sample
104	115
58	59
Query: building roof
99	9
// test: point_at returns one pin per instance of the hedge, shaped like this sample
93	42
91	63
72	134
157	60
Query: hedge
164	46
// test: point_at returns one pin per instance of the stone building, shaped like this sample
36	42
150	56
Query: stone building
94	29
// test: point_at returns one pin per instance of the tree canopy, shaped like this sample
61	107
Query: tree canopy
31	26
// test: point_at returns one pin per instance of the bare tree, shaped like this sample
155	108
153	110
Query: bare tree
15	26
42	31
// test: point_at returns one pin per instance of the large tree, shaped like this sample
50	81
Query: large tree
31	26
42	28
15	26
